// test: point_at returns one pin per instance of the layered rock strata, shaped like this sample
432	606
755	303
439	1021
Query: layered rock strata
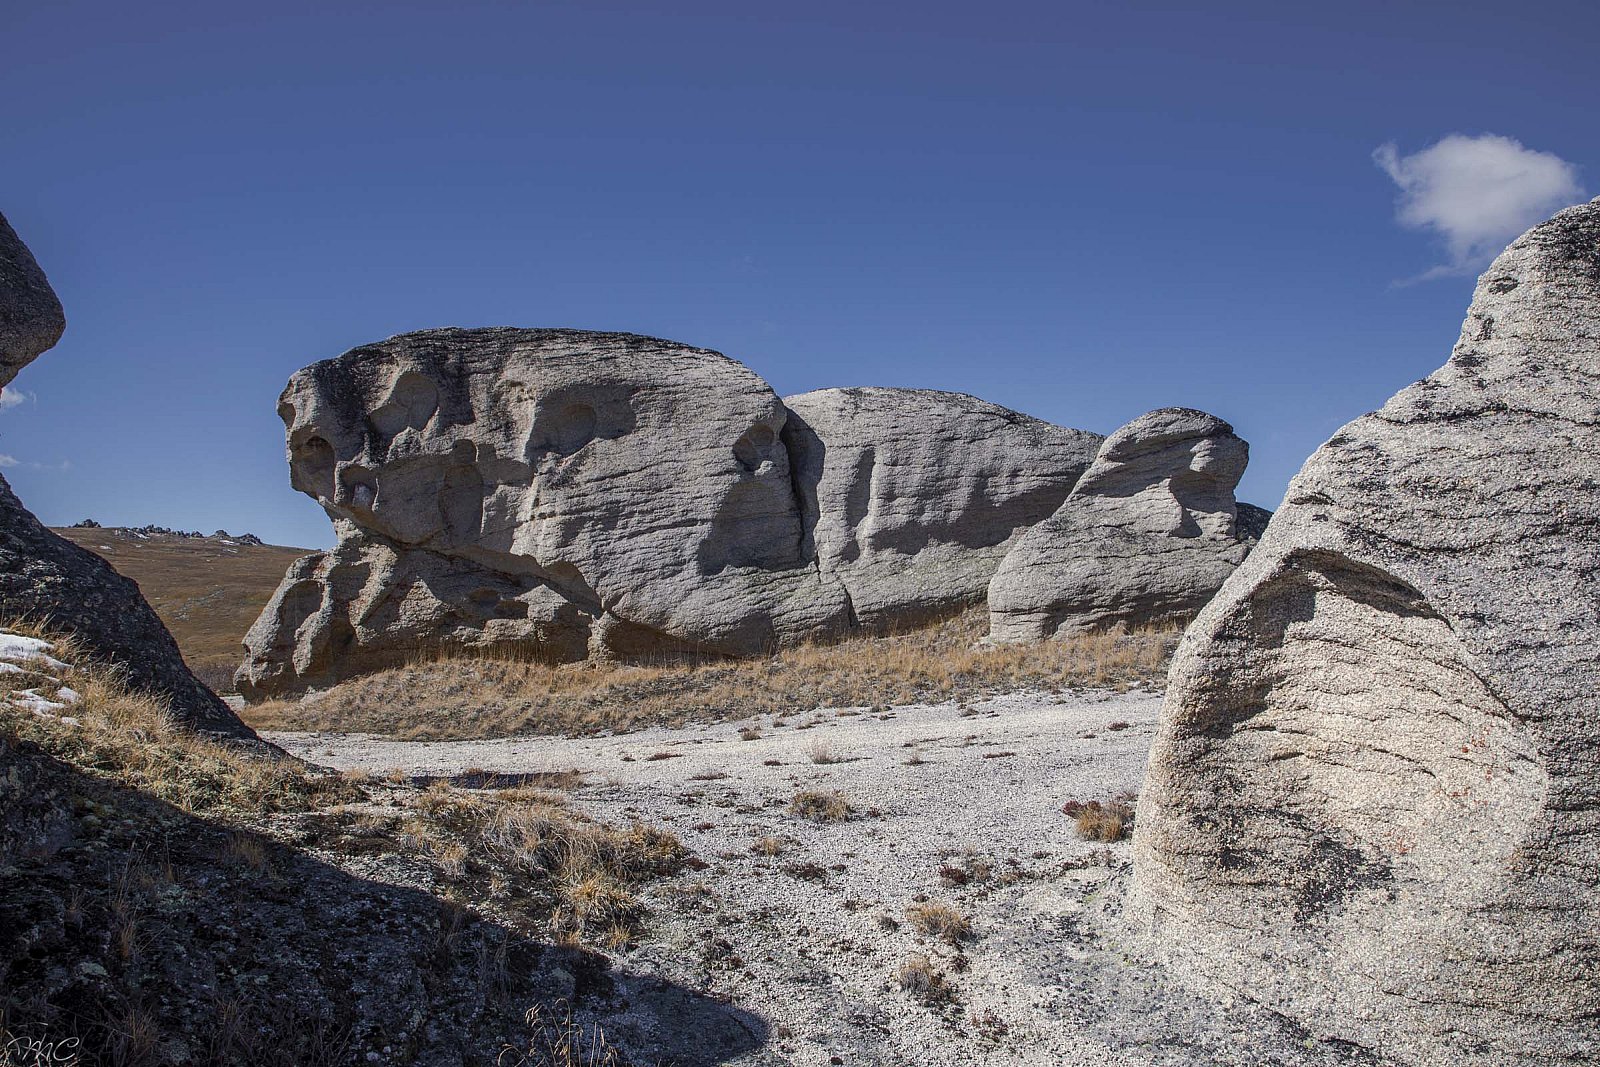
1149	534
1374	797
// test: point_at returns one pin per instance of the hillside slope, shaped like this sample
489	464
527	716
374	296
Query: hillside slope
208	590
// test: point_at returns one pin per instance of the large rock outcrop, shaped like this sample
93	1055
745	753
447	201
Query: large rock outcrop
569	493
54	583
911	497
557	491
1374	797
1149	534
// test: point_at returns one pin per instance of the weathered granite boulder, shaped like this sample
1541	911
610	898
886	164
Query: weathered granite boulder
559	491
1147	536
54	583
1374	797
911	497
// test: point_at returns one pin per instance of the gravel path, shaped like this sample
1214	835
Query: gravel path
804	925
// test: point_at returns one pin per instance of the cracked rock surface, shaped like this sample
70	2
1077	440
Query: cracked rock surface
1374	797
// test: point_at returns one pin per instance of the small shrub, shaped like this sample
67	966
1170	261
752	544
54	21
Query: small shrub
822	752
821	807
767	846
1103	822
749	733
919	977
941	921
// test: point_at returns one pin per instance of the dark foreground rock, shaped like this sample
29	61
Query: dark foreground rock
1374	798
52	583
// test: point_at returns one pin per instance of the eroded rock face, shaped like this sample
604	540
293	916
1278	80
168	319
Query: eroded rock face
571	493
1374	798
911	497
561	491
1148	535
54	583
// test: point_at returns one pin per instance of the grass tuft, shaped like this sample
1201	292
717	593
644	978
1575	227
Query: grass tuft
939	920
821	807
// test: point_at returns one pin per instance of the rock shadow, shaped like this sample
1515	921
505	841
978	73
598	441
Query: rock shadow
148	934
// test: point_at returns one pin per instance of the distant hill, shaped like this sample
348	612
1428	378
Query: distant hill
208	590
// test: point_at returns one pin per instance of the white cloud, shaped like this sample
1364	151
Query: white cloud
10	398
1477	193
12	461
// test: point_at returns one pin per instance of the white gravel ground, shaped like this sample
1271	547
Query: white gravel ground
808	941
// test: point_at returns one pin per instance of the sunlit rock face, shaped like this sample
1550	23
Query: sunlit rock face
1374	796
912	497
558	491
566	494
1149	534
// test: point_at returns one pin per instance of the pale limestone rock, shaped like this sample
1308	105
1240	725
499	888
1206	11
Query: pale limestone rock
1147	536
912	497
559	491
1374	797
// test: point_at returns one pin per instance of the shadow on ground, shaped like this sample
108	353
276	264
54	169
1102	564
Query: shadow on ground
150	936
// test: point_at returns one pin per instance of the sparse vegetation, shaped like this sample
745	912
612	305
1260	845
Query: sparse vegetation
470	697
161	854
1104	822
821	806
939	920
558	1039
822	752
919	977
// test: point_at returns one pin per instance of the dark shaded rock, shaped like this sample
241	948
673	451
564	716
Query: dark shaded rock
30	315
52	583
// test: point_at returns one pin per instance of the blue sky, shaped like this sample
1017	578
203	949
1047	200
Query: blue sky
1079	210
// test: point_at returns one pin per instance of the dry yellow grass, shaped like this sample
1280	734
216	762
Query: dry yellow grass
820	807
1103	822
474	697
939	920
131	738
576	875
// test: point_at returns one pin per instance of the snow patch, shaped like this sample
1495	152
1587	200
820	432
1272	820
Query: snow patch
19	649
